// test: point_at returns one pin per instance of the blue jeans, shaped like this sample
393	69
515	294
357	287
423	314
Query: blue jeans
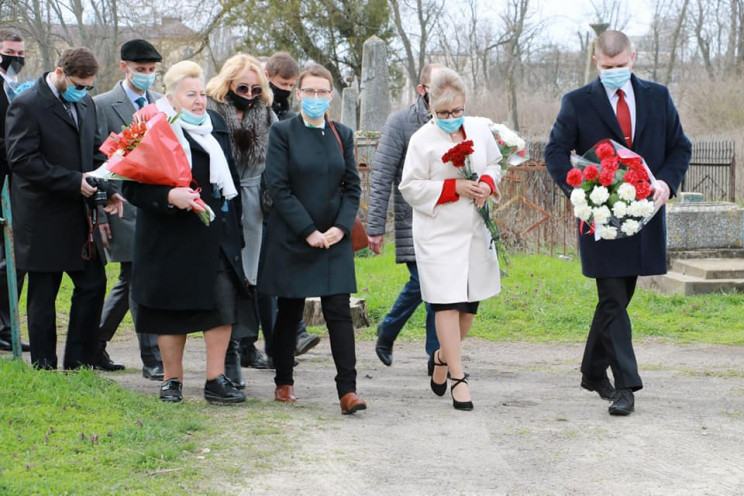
408	301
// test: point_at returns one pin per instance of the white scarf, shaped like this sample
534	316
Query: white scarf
219	171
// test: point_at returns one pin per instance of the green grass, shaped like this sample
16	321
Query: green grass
547	299
78	433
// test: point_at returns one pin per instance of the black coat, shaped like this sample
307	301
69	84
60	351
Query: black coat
4	103
313	187
586	117
176	257
47	155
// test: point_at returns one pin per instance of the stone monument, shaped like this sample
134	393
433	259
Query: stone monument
375	90
349	99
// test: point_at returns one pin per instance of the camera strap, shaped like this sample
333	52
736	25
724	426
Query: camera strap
89	246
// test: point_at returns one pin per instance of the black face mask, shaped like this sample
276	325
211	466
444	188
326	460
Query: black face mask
14	62
280	96
239	102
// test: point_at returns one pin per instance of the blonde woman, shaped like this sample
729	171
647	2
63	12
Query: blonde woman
240	94
457	264
186	276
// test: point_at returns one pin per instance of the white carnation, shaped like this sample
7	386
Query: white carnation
599	195
630	227
578	197
640	208
583	212
601	214
508	136
627	192
606	232
620	209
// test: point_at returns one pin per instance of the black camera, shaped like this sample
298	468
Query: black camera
100	197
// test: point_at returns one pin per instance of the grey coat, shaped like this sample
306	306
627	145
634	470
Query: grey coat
387	167
114	109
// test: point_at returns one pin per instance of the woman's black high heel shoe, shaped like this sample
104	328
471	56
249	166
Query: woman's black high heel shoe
439	389
459	405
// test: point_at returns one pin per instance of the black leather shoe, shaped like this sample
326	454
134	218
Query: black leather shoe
171	390
221	390
306	342
105	363
624	403
250	356
384	350
603	387
154	373
232	364
5	345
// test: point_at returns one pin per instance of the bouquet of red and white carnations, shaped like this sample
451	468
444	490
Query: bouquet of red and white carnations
148	151
512	147
611	189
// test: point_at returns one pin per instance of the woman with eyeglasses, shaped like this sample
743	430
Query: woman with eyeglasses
314	185
240	94
457	263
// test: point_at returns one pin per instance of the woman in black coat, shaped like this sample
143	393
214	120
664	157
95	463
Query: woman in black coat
312	179
186	275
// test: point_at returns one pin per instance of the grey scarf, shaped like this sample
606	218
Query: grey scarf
248	138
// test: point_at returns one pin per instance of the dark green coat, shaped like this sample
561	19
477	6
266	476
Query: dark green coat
313	187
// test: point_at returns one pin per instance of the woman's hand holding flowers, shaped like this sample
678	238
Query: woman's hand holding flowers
185	199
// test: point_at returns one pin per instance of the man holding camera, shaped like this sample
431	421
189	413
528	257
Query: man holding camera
50	141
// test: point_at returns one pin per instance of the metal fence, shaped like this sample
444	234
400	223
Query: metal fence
712	170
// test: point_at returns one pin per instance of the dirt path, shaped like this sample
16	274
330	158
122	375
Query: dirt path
533	430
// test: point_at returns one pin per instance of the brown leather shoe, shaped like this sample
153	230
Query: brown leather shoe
285	394
351	403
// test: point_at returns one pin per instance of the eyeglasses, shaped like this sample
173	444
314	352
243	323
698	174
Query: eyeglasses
446	114
79	87
309	92
247	90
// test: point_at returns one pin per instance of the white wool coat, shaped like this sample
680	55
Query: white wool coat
455	258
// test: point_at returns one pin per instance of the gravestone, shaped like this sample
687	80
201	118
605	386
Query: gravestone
695	225
375	90
349	99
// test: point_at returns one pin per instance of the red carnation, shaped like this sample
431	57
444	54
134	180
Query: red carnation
591	172
610	164
458	153
631	177
574	178
642	174
604	151
634	163
606	177
643	189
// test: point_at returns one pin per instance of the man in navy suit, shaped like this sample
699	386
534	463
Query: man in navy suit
641	115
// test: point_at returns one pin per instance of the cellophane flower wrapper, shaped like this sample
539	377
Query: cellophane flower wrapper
513	147
156	158
612	191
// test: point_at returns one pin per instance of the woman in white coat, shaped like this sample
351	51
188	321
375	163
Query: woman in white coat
457	262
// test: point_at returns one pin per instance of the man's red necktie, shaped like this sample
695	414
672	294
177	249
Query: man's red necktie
623	117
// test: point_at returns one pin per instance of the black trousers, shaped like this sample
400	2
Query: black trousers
115	307
85	311
340	330
610	340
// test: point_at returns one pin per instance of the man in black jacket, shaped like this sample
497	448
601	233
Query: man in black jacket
12	57
50	139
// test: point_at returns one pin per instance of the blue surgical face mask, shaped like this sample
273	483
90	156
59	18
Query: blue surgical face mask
450	126
615	78
72	94
143	81
315	108
193	119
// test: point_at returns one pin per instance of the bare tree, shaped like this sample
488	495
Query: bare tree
425	12
613	12
674	42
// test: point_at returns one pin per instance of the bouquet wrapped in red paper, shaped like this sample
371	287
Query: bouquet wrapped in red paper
612	185
149	152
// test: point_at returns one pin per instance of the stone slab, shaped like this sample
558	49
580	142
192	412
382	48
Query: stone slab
676	283
711	268
694	226
313	314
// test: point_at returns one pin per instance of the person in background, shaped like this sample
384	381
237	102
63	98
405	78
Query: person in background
282	71
50	141
456	259
387	167
114	109
12	58
315	188
240	94
640	114
186	275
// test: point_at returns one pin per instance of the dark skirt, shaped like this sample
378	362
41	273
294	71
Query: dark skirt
159	321
462	307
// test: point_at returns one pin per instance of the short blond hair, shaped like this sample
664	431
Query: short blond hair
180	71
219	85
446	85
